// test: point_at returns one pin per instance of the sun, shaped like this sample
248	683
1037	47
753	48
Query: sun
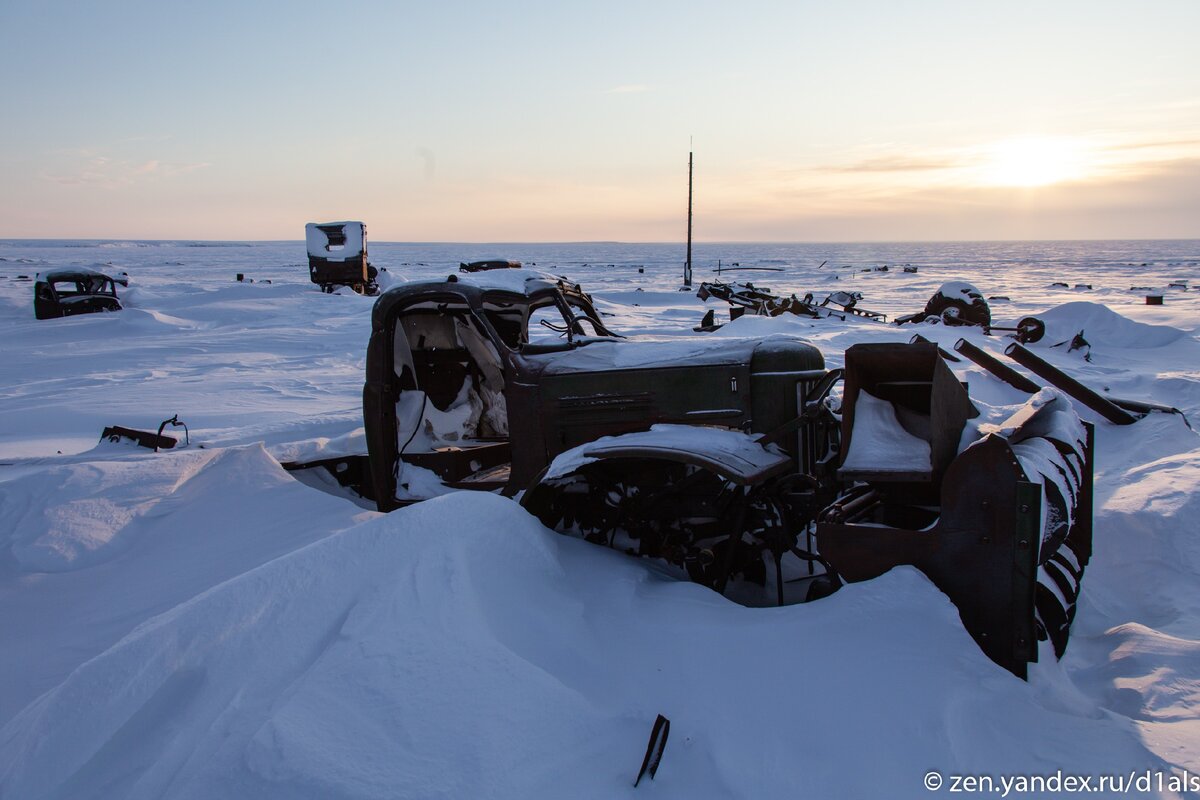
1034	161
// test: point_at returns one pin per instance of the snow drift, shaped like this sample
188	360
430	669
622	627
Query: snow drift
1104	327
405	659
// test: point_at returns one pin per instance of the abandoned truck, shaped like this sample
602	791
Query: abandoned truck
730	460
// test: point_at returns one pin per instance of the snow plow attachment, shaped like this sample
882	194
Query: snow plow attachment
1004	528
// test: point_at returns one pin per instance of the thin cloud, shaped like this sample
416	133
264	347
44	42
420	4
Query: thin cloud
629	88
112	173
895	164
147	137
1153	145
173	170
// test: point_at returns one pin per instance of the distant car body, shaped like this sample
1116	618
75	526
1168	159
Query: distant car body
67	292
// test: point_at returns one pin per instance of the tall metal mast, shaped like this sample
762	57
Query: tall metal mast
687	267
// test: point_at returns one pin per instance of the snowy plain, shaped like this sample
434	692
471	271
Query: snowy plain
198	623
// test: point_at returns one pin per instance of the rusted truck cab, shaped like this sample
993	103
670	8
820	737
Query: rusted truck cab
530	367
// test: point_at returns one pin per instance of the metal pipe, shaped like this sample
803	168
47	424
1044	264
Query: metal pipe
1142	408
844	511
1001	370
948	356
1098	403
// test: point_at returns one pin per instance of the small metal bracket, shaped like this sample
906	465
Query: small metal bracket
654	748
175	423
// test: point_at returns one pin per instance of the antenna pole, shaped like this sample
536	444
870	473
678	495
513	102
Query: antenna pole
687	267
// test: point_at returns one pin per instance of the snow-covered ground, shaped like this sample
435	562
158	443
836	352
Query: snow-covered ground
197	623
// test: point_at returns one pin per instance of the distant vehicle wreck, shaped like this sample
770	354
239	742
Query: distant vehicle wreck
67	292
337	256
960	303
154	441
484	266
747	298
954	303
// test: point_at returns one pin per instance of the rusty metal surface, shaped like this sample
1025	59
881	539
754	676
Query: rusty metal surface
984	552
981	553
914	377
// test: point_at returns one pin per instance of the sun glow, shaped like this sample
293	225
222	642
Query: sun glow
1034	161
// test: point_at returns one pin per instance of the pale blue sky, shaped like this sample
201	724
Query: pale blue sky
560	121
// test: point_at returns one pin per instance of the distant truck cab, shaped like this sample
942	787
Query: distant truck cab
337	256
67	292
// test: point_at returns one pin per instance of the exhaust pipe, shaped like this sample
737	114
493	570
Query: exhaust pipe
1098	403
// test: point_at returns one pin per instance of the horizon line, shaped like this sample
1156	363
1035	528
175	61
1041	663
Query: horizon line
681	243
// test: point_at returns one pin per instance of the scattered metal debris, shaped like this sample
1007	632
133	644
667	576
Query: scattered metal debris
761	301
1077	342
848	302
153	441
746	295
709	323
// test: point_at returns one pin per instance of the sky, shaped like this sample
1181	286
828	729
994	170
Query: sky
523	121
